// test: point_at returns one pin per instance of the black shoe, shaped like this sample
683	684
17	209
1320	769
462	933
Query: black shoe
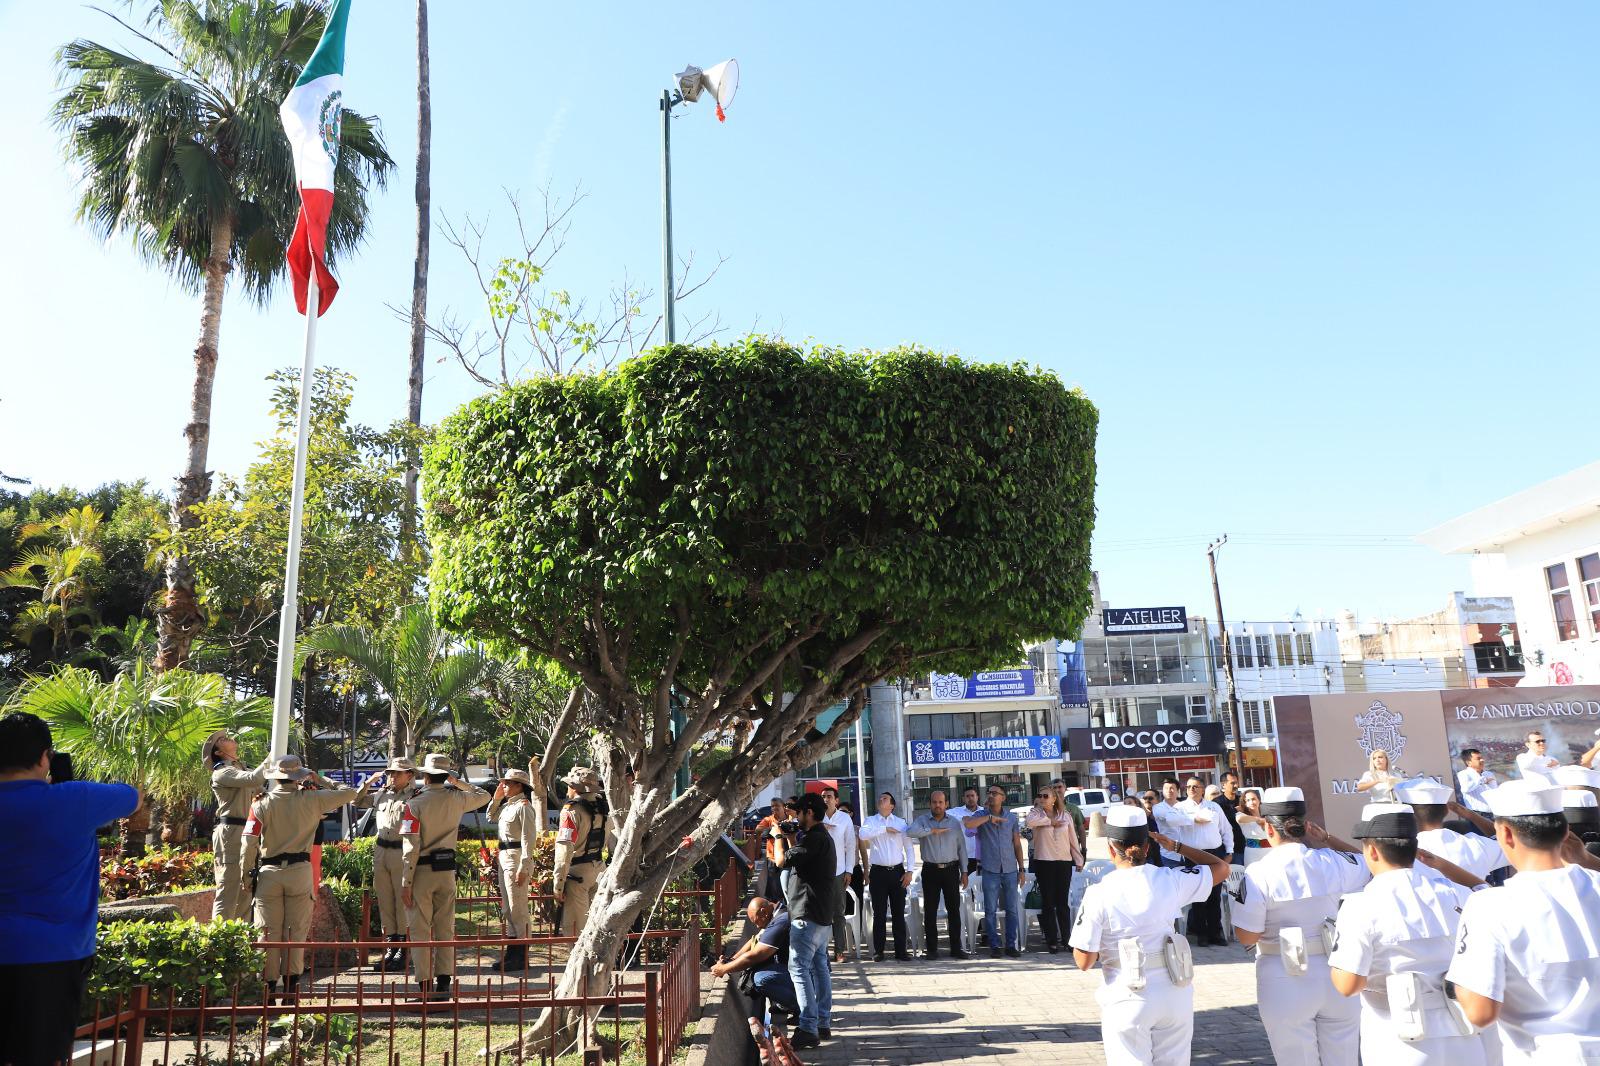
877	956
1217	941
802	1039
394	960
1054	949
961	954
931	953
441	989
824	1033
902	956
1013	953
994	953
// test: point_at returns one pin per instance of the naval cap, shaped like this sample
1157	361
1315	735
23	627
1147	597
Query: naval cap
1515	799
1580	807
1285	802
1127	823
1423	791
1577	777
1386	820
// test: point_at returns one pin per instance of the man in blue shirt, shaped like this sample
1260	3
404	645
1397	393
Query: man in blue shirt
1000	843
49	892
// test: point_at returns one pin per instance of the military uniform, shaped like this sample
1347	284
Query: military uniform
1146	1009
518	832
233	787
1399	933
1533	946
1289	897
1480	856
580	844
389	806
279	832
428	832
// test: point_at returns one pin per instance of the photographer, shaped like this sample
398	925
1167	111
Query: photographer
804	850
764	959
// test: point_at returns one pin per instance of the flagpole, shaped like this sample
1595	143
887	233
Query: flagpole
283	693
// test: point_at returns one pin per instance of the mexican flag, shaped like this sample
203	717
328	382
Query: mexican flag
310	117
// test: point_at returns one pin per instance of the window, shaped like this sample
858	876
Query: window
1284	645
1243	651
1561	602
1264	652
1492	657
1169	659
1255	717
1198	709
1097	661
1589	574
1302	649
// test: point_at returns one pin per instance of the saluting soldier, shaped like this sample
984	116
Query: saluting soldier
428	834
279	832
580	843
1285	910
233	787
1528	953
518	832
389	807
1479	855
1393	943
1126	922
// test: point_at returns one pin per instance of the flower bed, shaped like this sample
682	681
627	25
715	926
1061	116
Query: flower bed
159	872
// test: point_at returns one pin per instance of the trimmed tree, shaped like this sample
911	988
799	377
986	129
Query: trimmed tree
755	533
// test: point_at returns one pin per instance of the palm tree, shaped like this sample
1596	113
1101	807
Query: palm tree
141	727
182	151
416	666
60	572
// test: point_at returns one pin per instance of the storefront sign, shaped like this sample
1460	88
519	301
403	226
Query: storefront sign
1200	738
1197	762
972	750
992	684
1130	621
1495	721
1259	758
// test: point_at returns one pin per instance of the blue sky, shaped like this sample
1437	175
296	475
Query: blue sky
1327	270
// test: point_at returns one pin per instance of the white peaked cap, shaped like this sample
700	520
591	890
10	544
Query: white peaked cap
1577	777
1373	810
1423	791
1288	794
1577	797
1516	798
1126	816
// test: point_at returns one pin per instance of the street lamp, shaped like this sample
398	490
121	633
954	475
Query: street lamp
722	81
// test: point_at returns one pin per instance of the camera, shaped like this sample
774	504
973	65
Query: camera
790	827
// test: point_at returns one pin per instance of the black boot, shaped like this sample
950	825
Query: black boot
270	999
441	988
394	960
291	987
516	960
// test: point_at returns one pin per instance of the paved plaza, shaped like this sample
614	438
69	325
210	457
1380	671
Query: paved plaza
1035	1011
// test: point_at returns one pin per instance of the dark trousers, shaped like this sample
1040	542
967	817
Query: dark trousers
888	894
1054	880
1205	917
39	1004
937	882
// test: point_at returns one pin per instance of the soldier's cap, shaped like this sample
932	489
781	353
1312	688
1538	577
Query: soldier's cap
1577	776
401	765
208	750
1515	799
1386	820
581	775
1127	824
1580	807
436	763
287	768
1287	802
1424	791
520	776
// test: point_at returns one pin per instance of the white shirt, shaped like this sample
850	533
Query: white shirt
1173	821
1296	886
1474	784
1477	855
1208	828
972	834
1137	901
883	847
1402	922
1533	945
1535	767
843	832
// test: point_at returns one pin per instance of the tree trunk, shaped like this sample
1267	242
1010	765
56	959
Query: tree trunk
135	828
543	773
178	621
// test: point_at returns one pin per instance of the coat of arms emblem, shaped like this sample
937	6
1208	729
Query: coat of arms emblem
1380	728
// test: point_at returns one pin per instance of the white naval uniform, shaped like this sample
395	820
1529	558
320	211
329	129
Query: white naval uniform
1307	1022
1153	1025
1405	922
1534	946
1479	856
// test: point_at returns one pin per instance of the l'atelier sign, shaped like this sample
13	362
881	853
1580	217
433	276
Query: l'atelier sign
1145	742
1127	621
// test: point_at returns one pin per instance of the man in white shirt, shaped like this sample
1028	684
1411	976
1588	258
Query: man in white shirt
970	807
1526	953
1209	832
1533	764
1171	820
1478	855
1475	778
884	834
843	832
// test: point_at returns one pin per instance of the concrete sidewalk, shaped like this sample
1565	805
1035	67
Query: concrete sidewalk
1038	1010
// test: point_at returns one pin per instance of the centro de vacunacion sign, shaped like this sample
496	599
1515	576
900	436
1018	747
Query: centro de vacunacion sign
973	750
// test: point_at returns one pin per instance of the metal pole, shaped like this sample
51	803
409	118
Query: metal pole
861	761
1227	658
283	693
667	292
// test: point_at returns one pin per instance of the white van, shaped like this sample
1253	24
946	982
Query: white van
1090	801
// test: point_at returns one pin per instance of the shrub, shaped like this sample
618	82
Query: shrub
347	896
184	956
350	860
157	872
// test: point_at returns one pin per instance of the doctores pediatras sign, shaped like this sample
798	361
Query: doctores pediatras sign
1145	742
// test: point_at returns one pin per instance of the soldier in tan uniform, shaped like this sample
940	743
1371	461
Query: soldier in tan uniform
279	833
389	802
579	844
428	868
234	787
518	832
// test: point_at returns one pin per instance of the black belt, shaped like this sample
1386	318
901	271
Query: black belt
229	820
939	865
593	856
288	858
897	866
510	845
389	843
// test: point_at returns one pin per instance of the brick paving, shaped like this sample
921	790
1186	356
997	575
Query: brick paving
1038	1010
